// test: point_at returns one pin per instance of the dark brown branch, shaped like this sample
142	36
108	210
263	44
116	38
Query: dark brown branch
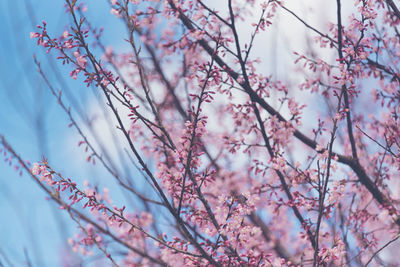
394	8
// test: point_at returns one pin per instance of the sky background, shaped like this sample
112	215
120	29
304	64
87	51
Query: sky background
32	227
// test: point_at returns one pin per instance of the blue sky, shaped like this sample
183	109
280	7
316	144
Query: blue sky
31	226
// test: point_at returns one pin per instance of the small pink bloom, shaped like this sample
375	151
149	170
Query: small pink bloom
36	170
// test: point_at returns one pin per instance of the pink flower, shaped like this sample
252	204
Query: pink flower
81	60
36	169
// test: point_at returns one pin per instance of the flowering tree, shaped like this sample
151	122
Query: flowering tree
237	167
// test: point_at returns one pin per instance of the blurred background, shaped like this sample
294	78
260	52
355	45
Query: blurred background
32	229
